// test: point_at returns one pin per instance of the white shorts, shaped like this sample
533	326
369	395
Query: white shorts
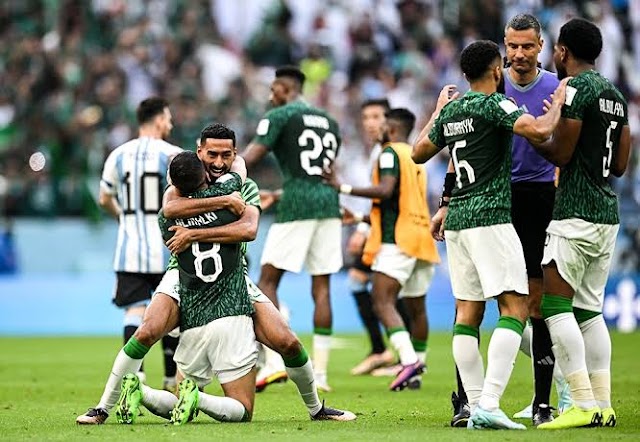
582	252
314	244
225	348
413	274
485	262
255	294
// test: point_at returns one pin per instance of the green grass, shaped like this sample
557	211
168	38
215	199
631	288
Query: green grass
46	382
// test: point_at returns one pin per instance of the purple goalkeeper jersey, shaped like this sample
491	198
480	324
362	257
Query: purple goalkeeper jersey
527	164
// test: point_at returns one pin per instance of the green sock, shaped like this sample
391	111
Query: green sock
134	349
297	361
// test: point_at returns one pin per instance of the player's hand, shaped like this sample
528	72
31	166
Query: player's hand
355	244
181	239
447	94
329	176
437	223
559	95
347	216
236	204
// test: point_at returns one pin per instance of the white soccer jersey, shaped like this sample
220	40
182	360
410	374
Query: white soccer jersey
136	173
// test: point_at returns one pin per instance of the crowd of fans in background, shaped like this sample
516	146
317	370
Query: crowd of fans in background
73	71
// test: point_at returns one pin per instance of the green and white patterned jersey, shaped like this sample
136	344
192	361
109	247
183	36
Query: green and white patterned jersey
478	130
212	281
583	190
251	196
304	140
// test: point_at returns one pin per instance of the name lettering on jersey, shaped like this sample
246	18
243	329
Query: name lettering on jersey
611	107
316	121
458	127
197	221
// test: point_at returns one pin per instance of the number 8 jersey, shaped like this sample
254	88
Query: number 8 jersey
135	173
583	190
304	140
478	130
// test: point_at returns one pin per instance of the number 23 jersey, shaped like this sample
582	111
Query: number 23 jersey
478	130
136	174
304	140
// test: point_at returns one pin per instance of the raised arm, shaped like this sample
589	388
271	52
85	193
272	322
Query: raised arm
175	205
424	148
254	153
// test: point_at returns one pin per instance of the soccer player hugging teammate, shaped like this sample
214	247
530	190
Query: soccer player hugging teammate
485	254
591	143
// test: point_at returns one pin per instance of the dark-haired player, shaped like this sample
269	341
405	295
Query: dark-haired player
591	143
399	249
133	180
485	254
307	231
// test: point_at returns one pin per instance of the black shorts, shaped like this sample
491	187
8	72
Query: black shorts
531	210
135	287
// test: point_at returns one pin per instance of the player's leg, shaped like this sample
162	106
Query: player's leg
323	258
134	393
160	317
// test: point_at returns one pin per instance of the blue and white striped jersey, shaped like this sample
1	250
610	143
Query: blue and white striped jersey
136	173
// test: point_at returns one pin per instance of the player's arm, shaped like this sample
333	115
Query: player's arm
559	148
244	229
109	203
175	205
424	148
107	196
239	166
382	191
254	153
620	158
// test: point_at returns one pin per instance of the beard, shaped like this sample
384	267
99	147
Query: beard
500	88
562	71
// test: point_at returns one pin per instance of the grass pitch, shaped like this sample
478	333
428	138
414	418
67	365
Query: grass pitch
46	382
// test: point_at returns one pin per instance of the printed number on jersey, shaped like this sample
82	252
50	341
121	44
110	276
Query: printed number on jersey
204	271
327	144
459	166
606	160
149	190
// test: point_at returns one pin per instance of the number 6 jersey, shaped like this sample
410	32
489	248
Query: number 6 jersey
304	140
478	130
135	173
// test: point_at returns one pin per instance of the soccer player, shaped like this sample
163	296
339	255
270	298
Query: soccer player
133	180
399	249
485	255
591	143
532	195
307	231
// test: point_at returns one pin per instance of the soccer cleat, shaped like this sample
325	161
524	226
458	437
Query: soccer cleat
94	416
373	361
609	417
333	414
525	413
391	370
542	414
171	387
128	405
186	408
482	419
575	417
415	383
408	371
264	379
461	411
564	396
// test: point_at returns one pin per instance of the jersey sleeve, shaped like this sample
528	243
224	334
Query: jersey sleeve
388	163
251	193
110	174
503	112
164	224
436	134
576	100
269	128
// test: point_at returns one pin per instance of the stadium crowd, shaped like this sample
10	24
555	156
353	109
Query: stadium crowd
72	73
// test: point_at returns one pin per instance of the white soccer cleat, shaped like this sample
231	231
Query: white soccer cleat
483	419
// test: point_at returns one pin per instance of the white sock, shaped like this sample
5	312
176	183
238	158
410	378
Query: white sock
321	348
503	349
223	409
401	342
469	362
159	402
568	348
525	344
422	356
272	360
122	365
304	379
597	345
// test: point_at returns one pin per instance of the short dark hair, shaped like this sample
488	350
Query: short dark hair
582	38
292	72
522	22
186	172
404	116
217	131
383	102
476	58
151	107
